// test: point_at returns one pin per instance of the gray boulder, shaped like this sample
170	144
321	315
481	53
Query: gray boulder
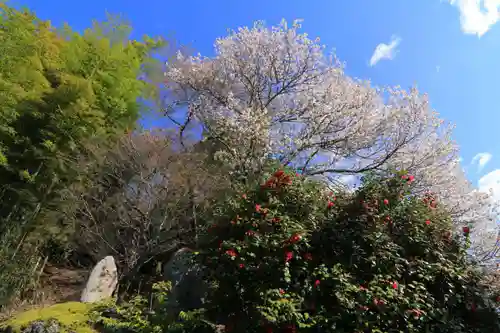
188	286
102	281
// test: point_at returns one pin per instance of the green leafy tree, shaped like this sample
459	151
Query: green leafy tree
58	89
288	256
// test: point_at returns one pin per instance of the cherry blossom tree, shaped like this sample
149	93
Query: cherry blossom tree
274	92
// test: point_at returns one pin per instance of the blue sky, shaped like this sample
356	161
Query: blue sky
450	49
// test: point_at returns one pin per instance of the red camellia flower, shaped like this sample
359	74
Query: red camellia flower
295	238
258	208
411	178
308	256
394	285
282	292
386	202
241	265
466	230
231	253
288	256
330	204
317	283
416	312
287	180
427	222
279	173
269	183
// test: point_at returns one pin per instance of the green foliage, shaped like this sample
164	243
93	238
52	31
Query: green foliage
60	92
144	316
58	89
286	256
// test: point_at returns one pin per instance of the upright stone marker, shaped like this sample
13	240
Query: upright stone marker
102	281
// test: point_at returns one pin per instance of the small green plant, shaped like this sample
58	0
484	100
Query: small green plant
148	316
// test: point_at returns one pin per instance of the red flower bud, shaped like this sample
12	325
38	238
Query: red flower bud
394	285
308	256
428	222
288	256
317	283
466	230
386	202
330	204
241	265
295	238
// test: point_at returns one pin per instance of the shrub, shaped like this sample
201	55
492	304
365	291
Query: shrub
287	255
147	316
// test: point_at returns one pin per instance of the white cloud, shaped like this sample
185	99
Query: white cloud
491	181
477	16
481	160
385	51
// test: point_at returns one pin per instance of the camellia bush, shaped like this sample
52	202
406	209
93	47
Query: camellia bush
287	255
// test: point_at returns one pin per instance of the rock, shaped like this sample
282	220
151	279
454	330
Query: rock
36	326
40	326
188	287
102	281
